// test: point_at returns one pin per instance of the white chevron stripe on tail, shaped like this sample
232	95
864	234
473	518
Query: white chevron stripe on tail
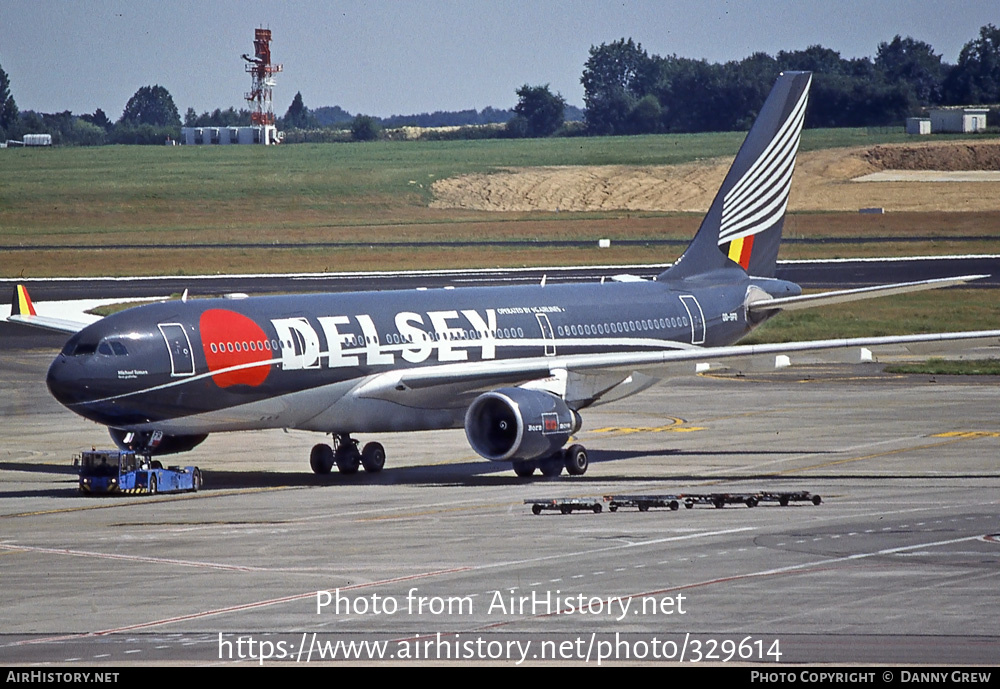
759	198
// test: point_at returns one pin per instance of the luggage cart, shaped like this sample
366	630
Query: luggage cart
643	502
566	505
795	496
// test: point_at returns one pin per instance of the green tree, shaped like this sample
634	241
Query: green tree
615	77
912	62
152	105
815	59
976	77
693	95
98	119
646	116
751	80
298	116
542	110
84	133
8	108
365	128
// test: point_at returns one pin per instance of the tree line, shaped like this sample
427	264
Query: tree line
626	91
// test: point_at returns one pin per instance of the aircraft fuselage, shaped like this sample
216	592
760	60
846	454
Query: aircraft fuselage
208	365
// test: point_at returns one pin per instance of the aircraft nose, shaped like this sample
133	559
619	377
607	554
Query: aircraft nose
66	381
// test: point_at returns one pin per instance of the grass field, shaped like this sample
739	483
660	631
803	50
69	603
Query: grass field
948	367
138	210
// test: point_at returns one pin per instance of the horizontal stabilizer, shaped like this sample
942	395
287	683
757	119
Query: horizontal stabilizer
22	311
808	301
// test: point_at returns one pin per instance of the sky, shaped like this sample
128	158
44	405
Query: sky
385	57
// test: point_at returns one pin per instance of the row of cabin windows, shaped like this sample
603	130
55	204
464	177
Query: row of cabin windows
501	333
258	346
117	348
357	340
623	326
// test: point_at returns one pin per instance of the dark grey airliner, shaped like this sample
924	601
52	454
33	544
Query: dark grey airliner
514	366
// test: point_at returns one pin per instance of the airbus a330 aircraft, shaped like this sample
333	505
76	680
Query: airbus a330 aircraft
514	366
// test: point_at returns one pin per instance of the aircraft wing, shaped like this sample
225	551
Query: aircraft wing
808	301
23	311
591	378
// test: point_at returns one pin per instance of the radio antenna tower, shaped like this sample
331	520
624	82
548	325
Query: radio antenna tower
262	74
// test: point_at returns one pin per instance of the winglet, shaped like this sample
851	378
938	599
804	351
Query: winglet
21	303
23	311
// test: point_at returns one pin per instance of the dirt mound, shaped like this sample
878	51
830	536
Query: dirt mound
823	182
584	188
950	156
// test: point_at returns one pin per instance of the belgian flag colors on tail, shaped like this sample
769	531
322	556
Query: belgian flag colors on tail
21	304
743	225
23	311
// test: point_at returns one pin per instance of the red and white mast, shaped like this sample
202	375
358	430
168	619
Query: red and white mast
262	75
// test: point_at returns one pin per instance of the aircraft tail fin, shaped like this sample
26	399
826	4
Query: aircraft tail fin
23	311
743	225
21	303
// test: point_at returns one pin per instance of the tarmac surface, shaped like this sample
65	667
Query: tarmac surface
438	557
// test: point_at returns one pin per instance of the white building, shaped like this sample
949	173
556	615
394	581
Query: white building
918	125
958	119
206	136
37	139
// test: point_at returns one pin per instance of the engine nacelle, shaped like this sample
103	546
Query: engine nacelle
154	442
514	424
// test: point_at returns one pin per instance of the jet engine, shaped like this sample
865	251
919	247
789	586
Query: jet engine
154	442
515	424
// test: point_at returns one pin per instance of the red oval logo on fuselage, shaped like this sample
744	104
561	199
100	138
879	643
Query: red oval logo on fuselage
236	346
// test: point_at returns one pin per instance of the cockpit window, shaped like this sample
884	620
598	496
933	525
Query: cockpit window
111	348
78	346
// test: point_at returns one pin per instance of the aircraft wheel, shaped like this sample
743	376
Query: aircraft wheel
321	458
524	469
348	459
373	457
152	484
551	466
576	460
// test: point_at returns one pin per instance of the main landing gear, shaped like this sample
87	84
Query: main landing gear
346	455
573	458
